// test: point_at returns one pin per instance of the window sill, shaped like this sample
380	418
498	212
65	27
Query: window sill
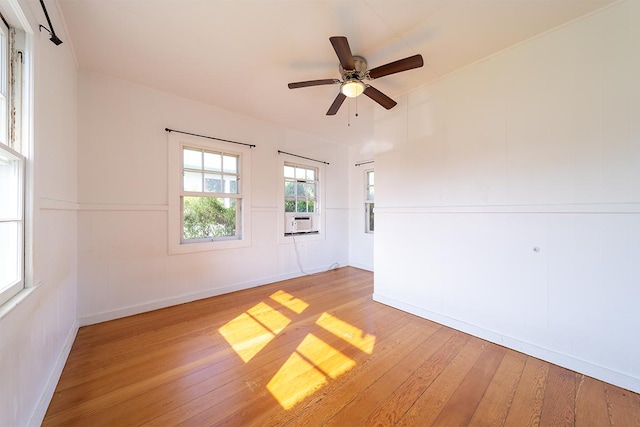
218	245
301	233
15	301
300	237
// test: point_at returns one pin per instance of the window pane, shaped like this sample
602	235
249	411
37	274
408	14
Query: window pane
311	206
311	175
311	190
301	206
370	193
289	188
192	159
192	181
9	188
212	162
301	173
230	184
307	190
213	183
289	172
209	217
9	253
230	164
289	205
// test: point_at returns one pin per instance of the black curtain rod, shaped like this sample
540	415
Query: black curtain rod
302	157
210	137
363	163
51	31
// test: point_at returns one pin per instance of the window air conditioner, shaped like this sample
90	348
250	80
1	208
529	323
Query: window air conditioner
298	224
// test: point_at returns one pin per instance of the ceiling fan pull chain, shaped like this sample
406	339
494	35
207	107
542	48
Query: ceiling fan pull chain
349	114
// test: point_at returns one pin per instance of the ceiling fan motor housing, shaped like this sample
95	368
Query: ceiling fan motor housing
359	73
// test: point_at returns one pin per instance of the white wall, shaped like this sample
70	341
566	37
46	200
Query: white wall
124	267
37	328
508	198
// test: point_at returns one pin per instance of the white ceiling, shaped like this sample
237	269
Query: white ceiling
240	54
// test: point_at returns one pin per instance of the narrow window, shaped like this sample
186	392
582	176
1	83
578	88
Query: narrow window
300	188
12	173
301	192
368	202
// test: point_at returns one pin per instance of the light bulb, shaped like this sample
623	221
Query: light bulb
352	88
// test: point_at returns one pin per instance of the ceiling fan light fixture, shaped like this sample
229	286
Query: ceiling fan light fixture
352	88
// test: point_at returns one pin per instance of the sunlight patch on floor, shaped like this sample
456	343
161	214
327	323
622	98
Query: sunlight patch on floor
251	331
267	316
354	336
313	363
295	380
324	357
289	301
306	370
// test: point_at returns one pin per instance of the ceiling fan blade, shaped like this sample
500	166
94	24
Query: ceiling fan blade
380	97
313	83
336	104
341	46
405	64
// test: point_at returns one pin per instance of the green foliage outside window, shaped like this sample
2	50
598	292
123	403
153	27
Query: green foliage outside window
208	217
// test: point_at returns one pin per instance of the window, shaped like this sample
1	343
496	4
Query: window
300	189
210	197
301	202
12	171
11	223
368	201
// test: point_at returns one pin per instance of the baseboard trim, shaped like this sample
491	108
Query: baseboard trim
131	310
47	394
570	362
361	266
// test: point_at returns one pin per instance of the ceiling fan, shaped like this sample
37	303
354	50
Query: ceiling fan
353	70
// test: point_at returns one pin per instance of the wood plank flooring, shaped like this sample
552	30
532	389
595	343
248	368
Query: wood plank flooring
315	351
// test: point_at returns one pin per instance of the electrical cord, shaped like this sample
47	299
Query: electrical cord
295	245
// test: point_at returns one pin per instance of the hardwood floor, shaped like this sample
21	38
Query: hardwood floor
315	351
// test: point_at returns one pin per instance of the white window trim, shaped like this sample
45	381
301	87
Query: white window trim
174	233
321	179
13	13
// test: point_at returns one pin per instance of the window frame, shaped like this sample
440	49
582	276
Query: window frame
6	87
16	142
176	194
319	216
296	199
369	202
237	195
